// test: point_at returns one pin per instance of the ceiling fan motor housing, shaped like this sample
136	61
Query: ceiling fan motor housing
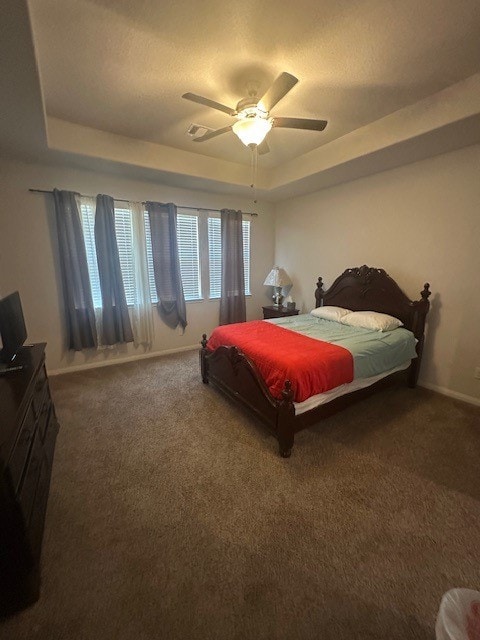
248	108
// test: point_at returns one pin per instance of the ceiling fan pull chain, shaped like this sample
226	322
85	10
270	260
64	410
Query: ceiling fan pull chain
254	165
256	174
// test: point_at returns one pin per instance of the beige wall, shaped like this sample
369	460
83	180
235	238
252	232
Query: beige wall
28	254
421	223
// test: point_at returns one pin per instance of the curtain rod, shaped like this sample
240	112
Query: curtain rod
245	213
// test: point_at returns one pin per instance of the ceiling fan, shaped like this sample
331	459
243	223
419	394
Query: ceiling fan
253	114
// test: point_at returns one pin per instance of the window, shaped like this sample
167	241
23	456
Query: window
148	242
187	237
193	260
124	234
215	255
87	215
246	254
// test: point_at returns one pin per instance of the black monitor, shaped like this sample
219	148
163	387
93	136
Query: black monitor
12	327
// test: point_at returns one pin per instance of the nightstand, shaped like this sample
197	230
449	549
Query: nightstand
278	312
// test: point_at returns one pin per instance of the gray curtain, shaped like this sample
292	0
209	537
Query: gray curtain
77	293
166	264
232	299
116	325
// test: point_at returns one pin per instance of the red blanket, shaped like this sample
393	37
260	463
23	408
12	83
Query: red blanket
312	366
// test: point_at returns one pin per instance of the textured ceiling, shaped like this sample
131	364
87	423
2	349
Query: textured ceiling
122	66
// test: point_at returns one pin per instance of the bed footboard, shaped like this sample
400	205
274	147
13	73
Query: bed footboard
229	370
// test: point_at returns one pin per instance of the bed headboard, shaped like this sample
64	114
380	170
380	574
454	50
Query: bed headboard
370	289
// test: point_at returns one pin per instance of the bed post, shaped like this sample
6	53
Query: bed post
420	313
203	359
286	416
319	293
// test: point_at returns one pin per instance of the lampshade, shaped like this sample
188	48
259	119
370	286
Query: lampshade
277	277
252	130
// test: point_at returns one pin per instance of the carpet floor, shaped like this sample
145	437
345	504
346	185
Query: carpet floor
172	516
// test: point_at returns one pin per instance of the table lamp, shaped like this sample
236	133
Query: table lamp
277	278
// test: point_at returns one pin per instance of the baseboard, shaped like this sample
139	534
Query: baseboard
451	394
108	363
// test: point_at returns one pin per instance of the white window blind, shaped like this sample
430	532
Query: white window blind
188	248
215	255
124	233
246	254
151	277
187	237
87	216
187	233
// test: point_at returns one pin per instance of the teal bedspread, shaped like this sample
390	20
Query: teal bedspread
373	352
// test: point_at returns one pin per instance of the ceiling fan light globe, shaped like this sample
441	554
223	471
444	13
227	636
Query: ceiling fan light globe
252	130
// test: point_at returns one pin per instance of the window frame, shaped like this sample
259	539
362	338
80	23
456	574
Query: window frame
247	270
151	278
203	253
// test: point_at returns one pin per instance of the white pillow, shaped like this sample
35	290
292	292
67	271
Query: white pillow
330	313
371	320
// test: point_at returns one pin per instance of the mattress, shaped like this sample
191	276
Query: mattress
355	385
375	354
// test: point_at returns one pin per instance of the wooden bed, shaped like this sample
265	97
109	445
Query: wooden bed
359	289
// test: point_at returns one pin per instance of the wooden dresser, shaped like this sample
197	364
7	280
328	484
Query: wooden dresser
28	429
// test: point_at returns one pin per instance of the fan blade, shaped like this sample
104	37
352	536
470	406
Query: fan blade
212	134
209	103
300	123
263	148
277	91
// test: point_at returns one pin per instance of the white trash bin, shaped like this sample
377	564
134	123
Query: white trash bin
459	615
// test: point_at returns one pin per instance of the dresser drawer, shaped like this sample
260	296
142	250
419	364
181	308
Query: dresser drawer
22	446
39	507
31	477
50	436
44	416
41	386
